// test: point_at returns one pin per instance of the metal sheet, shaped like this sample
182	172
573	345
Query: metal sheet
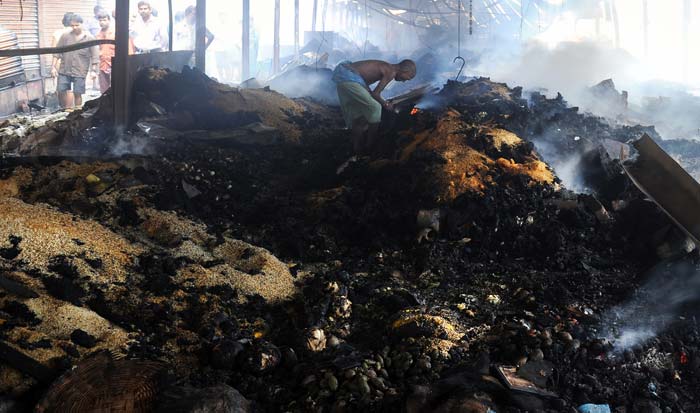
666	183
11	69
22	18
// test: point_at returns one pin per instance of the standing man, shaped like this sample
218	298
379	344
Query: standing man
54	41
74	66
106	51
92	25
147	34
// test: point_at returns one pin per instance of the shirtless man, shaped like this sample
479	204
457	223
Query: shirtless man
361	106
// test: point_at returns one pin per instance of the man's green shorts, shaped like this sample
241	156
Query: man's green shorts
356	102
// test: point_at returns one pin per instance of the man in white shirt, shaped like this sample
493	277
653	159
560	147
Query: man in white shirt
147	34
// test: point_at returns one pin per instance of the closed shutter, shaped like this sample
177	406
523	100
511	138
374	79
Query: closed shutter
22	17
11	70
51	16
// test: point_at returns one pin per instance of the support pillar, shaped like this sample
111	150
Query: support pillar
119	65
296	29
200	54
645	25
276	46
245	48
686	37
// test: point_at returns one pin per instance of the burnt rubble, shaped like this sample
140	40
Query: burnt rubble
231	267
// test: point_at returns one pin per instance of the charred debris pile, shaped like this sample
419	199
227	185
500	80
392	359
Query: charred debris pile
215	257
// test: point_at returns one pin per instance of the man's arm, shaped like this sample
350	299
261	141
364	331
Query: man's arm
55	65
387	77
95	59
57	57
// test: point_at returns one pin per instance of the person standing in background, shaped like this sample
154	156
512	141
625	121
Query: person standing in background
147	34
92	25
106	51
68	96
74	65
227	54
60	32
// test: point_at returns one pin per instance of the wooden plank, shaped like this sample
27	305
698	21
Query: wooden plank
666	183
200	47
120	64
53	50
27	365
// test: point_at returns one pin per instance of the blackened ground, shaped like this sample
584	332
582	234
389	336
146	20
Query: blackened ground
514	277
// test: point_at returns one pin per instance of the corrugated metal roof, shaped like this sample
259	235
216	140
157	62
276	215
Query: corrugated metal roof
22	17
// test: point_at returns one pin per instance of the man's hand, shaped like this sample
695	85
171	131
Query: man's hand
54	72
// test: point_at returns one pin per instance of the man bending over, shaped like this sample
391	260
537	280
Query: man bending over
361	106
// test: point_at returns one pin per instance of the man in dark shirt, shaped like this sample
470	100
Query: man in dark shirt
75	65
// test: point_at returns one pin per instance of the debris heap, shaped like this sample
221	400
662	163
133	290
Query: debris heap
451	271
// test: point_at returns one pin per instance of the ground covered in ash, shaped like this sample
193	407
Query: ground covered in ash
252	273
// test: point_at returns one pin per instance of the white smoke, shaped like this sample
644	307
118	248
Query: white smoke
654	307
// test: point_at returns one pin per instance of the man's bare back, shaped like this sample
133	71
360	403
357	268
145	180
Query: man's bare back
373	71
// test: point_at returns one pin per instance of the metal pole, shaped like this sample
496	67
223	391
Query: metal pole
686	37
170	25
200	54
245	58
119	66
645	24
296	28
616	23
276	47
313	18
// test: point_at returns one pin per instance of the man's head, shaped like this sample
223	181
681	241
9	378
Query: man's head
66	19
407	70
190	14
104	20
145	10
97	10
76	23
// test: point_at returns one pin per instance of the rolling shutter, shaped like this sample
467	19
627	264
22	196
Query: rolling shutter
22	18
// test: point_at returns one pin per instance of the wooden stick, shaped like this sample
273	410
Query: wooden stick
54	50
25	364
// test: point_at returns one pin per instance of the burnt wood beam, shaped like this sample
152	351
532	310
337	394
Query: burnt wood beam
54	50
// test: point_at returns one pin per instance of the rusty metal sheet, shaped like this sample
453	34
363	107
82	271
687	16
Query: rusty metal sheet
22	18
666	183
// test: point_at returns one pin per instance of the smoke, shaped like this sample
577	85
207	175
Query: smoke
567	166
654	307
572	68
307	81
127	143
